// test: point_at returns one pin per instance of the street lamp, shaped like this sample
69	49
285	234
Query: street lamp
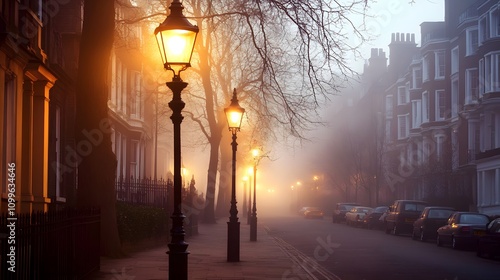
176	37
234	114
249	211
245	179
253	220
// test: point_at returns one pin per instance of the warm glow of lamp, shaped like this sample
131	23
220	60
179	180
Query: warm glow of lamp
255	152
234	114
176	37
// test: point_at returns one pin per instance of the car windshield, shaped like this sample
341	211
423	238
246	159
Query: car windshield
439	213
363	210
414	207
473	219
347	207
380	210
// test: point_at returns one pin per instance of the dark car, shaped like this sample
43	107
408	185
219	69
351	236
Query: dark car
402	215
462	228
340	209
372	218
488	243
430	220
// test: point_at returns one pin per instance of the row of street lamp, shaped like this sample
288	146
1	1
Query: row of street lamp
176	37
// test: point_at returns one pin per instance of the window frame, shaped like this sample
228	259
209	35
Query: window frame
425	107
455	60
471	85
440	104
439	64
471	45
403	124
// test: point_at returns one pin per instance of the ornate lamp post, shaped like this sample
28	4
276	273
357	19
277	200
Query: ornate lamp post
253	217
234	114
249	210
176	37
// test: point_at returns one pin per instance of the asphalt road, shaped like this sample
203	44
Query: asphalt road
351	253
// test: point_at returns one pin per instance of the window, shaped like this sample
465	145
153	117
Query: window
495	22
416	78
455	163
493	130
425	107
471	85
454	98
425	68
439	64
388	106
492	72
440	105
388	134
403	126
8	144
439	146
471	41
402	95
481	77
454	60
416	112
484	30
134	158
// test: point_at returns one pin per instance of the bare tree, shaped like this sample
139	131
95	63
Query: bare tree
285	58
96	171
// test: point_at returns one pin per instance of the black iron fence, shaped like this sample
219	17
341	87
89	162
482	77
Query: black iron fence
159	193
143	191
51	245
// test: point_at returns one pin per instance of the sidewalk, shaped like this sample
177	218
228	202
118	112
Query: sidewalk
263	259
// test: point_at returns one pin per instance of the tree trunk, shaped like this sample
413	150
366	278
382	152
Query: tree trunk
97	167
209	212
224	194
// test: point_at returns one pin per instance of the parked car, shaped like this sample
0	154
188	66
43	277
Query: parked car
340	209
430	220
462	228
303	210
488	243
402	215
372	218
313	212
355	216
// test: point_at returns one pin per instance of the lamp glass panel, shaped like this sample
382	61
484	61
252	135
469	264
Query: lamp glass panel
176	46
234	119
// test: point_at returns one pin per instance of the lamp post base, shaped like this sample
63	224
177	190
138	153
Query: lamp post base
253	229
178	261
233	241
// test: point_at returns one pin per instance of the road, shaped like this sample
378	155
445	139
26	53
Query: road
350	253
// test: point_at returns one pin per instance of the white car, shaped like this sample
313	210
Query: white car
356	214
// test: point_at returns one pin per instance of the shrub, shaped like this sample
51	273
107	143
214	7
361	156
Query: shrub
137	223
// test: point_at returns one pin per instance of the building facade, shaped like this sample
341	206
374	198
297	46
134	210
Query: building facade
39	49
441	113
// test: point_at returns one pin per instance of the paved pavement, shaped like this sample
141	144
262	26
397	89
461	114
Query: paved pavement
266	258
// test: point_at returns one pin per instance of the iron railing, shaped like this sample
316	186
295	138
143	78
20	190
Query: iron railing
50	245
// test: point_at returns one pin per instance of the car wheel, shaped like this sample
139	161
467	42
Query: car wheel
422	235
395	230
438	241
454	243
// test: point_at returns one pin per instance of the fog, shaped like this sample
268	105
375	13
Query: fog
296	161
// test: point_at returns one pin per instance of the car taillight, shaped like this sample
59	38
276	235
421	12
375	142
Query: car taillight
465	229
